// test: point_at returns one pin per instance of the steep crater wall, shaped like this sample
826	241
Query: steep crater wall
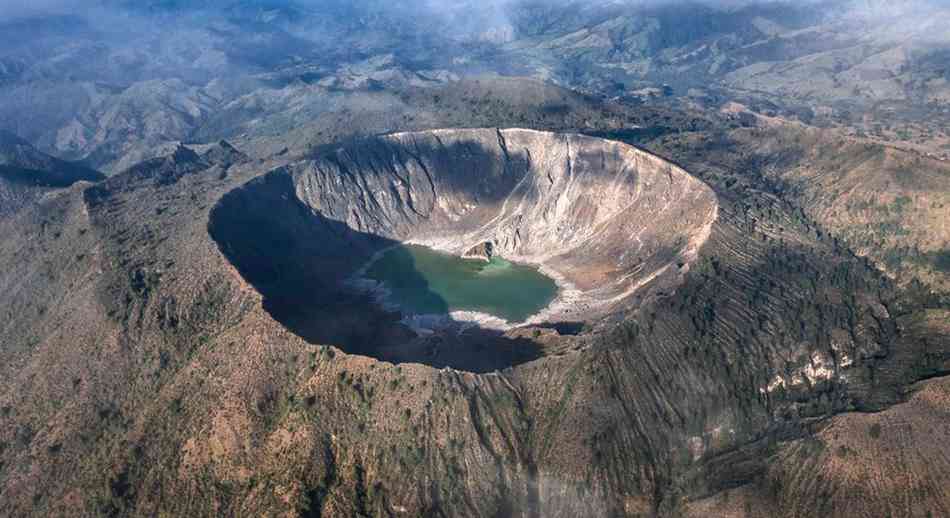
609	222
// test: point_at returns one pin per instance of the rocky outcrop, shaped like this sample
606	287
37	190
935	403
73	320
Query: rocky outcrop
484	251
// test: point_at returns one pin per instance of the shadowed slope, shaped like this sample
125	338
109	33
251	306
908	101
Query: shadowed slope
26	173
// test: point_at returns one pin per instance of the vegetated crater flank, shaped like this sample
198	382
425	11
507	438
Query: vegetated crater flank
610	223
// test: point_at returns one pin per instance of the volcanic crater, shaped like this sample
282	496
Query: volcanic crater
612	224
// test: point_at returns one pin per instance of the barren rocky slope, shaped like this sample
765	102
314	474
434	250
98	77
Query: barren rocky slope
890	205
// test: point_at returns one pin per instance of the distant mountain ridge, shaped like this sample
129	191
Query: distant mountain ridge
21	163
109	93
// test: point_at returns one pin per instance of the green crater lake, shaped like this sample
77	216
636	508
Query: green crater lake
423	281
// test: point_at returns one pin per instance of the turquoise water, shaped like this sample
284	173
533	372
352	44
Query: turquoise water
424	281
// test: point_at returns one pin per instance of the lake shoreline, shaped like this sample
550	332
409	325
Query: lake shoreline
447	279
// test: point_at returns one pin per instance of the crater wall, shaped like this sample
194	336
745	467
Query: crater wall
609	222
601	217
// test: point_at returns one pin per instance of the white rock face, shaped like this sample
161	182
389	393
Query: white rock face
602	218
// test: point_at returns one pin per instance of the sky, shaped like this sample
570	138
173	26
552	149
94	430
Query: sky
15	8
459	16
